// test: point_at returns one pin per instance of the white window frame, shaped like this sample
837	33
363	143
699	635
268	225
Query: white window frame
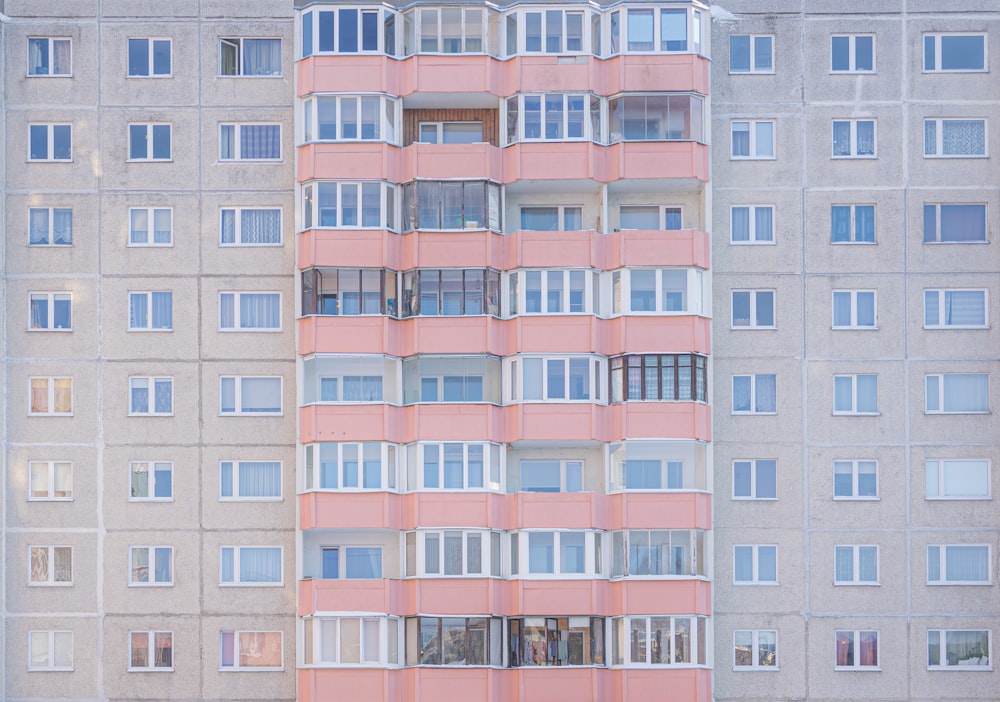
754	154
939	128
238	408
238	43
50	233
854	297
853	235
312	475
517	282
151	385
151	231
54	640
151	659
939	553
854	408
591	569
148	294
852	59
596	370
754	465
562	121
564	465
235	666
754	50
47	471
492	469
855	644
50	299
50	559
563	213
488	541
236	555
853	127
942	295
50	128
152	468
936	470
342	550
237	214
938	231
389	128
543	34
52	68
758	301
941	381
238	157
50	410
755	578
936	37
693	292
237	307
327	653
390	202
755	649
756	238
236	467
645	646
753	394
441	129
942	662
150	52
151	574
856	551
661	216
855	465
149	137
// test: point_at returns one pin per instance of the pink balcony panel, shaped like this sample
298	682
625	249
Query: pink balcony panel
559	334
466	509
449	161
558	422
633	247
659	597
450	74
473	248
649	73
564	597
362	248
570	249
657	159
338	684
349	161
657	333
344	334
642	684
660	510
406	337
665	420
548	684
559	510
347	596
350	510
343	422
346	73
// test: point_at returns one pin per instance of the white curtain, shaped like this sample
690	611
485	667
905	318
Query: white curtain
261	57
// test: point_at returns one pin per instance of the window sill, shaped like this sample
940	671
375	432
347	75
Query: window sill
754	499
756	584
145	585
959	668
852	583
946	156
230	669
50	414
50	499
959	583
261	414
851	243
249	75
149	160
756	669
946	498
150	414
958	327
858	668
957	413
753	158
752	414
151	499
853	73
751	328
852	498
142	330
258	499
158	76
250	330
249	160
49	75
43	329
149	670
751	73
149	246
854	328
949	243
49	160
50	670
856	414
752	243
270	585
60	584
852	157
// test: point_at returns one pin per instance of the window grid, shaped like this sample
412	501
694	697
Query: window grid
50	142
855	565
753	139
955	309
50	565
855	480
50	226
954	53
957	479
854	309
755	565
50	481
151	566
151	651
856	650
755	479
753	309
250	650
955	138
50	396
751	53
751	224
755	649
50	311
50	650
50	57
853	138
150	226
149	57
855	394
149	142
852	53
149	396
249	142
151	481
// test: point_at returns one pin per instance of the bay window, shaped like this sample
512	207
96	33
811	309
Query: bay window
659	377
347	641
453	553
451	204
344	378
553	117
661	117
453	465
454	641
563	553
451	379
347	30
451	292
559	379
553	291
578	641
348	291
658	553
369	465
659	641
344	205
351	117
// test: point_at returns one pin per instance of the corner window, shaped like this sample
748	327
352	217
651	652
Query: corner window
50	57
50	650
954	137
351	562
453	641
369	205
955	309
149	58
151	565
50	142
958	223
957	393
151	396
151	481
250	565
854	138
50	226
249	57
50	311
249	311
755	479
755	649
751	53
856	650
855	480
852	53
150	226
150	311
754	394
658	377
150	651
250	226
751	224
752	139
755	565
250	481
51	396
250	395
352	118
149	142
957	479
50	565
250	650
658	641
753	309
249	142
663	117
954	52
969	649
50	480
855	394
855	565
852	224
956	564
854	309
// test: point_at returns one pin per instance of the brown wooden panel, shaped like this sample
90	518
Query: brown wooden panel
489	118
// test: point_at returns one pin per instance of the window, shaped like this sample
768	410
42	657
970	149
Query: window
553	117
955	309
151	565
50	480
150	396
50	650
855	394
960	393
854	309
249	311
755	649
749	53
350	388
437	205
362	118
250	481
50	56
649	474
50	226
552	218
250	565
755	565
547	31
755	479
855	480
249	142
151	481
351	562
345	31
946	648
451	379
853	138
752	139
149	58
454	466
453	553
150	651
644	33
954	137
659	377
149	142
955	564
150	226
856	650
751	224
446	292
450	30
553	475
249	57
51	396
650	217
50	311
253	395
957	479
852	224
658	641
658	290
954	223
50	142
350	205
51	565
347	378
754	394
572	553
250	650
450	132
553	291
855	565
753	309
556	379
351	641
954	52
658	552
453	641
248	226
151	311
663	117
529	637
852	53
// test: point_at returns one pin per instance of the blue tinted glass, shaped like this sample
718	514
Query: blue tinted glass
762	54
61	142
326	31
963	53
137	141
331	564
161	141
369	31
307	34
38	137
739	53
348	31
38	57
930	57
164	483
138	57
864	53
841	53
161	57
767	480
